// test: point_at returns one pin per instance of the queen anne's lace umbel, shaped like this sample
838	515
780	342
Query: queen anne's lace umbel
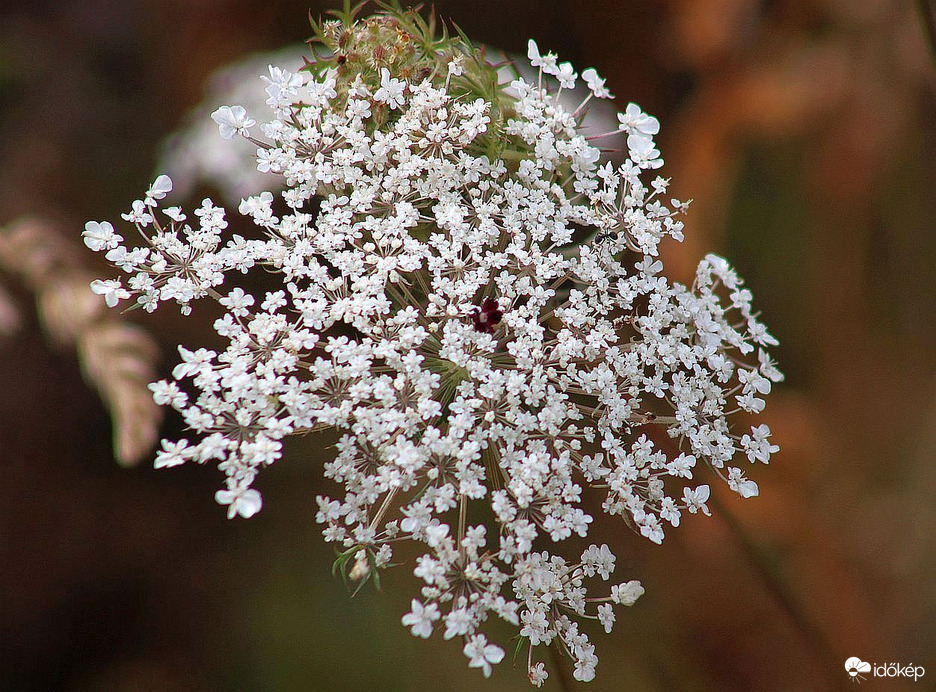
471	296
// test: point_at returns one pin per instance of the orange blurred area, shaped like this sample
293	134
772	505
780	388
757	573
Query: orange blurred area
805	133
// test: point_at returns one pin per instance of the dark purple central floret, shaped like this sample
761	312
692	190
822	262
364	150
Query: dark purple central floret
488	316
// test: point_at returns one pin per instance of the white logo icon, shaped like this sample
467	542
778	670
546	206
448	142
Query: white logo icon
855	667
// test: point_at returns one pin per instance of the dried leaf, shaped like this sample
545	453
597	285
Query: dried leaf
67	307
9	314
117	358
35	251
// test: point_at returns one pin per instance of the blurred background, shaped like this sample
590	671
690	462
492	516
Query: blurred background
805	132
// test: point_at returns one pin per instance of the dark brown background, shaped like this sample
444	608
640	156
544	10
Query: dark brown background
803	129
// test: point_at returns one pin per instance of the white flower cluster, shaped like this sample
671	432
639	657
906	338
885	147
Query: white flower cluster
472	299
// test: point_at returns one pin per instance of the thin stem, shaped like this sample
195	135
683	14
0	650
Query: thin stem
383	508
462	521
560	666
928	19
816	640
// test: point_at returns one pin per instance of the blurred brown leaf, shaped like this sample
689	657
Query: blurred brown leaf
116	356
